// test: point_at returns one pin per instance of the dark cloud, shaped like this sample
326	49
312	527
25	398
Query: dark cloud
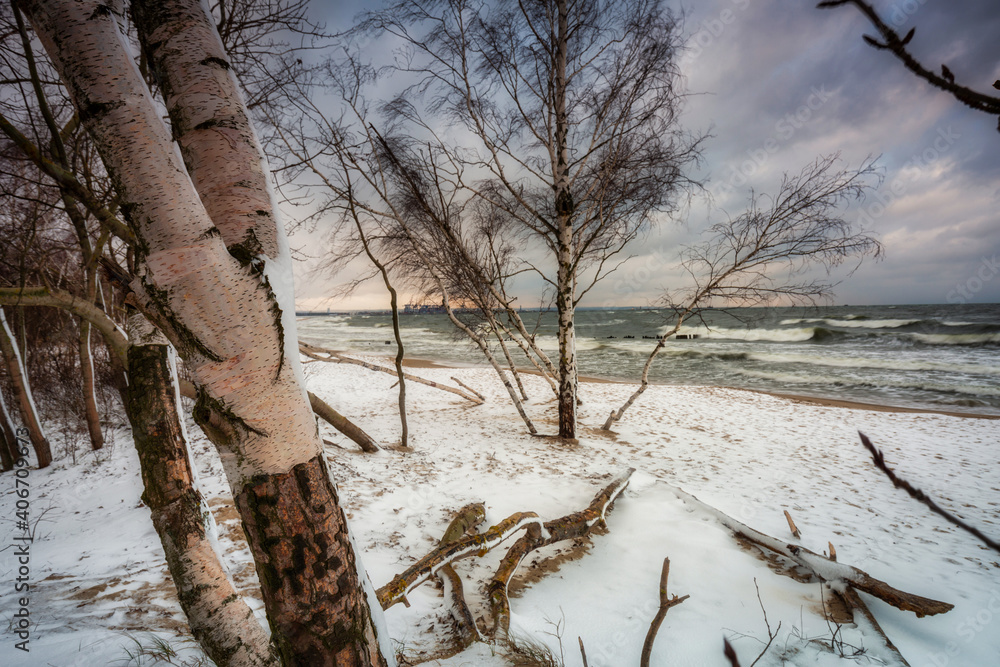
780	83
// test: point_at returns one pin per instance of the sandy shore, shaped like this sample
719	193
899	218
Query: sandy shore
813	400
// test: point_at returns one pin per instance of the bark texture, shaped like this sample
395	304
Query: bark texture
22	392
303	542
205	283
218	616
8	438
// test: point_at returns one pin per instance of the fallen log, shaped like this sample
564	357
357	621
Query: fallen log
468	388
571	526
397	589
821	567
466	630
323	410
315	352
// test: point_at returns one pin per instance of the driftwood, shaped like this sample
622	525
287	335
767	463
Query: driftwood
466	520
854	601
568	527
342	424
666	602
320	408
314	352
468	388
397	589
538	534
822	568
792	527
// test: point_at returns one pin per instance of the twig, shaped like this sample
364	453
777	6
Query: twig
583	652
666	602
468	388
919	495
730	653
770	635
791	526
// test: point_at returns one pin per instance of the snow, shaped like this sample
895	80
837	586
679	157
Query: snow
98	570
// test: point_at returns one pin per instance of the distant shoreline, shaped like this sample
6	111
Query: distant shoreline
411	362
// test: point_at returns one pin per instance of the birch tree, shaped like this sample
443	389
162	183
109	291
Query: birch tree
564	114
21	385
213	274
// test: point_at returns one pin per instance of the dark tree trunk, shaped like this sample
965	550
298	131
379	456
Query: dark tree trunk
218	616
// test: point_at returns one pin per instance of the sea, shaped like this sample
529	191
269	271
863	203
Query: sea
936	357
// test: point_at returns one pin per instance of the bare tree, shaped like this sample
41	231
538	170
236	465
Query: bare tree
11	355
892	42
215	278
565	120
765	254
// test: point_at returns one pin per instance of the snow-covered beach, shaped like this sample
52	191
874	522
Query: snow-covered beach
97	568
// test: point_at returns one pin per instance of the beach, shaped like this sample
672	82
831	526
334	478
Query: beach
100	570
936	357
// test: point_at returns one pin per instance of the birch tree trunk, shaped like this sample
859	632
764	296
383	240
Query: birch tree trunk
218	616
564	208
209	281
91	414
22	392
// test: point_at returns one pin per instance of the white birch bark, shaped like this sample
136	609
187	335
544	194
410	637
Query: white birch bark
220	312
22	390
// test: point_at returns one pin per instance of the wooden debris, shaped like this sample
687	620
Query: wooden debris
822	568
317	353
468	388
666	602
466	519
568	527
791	526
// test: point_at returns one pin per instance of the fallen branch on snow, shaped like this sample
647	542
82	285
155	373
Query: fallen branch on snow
822	568
314	352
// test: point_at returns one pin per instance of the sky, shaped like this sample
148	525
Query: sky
779	83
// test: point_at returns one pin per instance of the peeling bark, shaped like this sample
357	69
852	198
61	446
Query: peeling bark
216	305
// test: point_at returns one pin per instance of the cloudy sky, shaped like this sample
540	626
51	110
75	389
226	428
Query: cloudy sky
778	83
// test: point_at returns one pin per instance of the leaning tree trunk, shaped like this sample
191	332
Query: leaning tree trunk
214	273
8	438
22	392
92	415
218	616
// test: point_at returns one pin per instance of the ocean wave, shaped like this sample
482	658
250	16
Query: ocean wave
774	335
831	381
891	364
957	339
854	322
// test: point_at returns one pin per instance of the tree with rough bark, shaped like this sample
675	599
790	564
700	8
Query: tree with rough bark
564	121
212	273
